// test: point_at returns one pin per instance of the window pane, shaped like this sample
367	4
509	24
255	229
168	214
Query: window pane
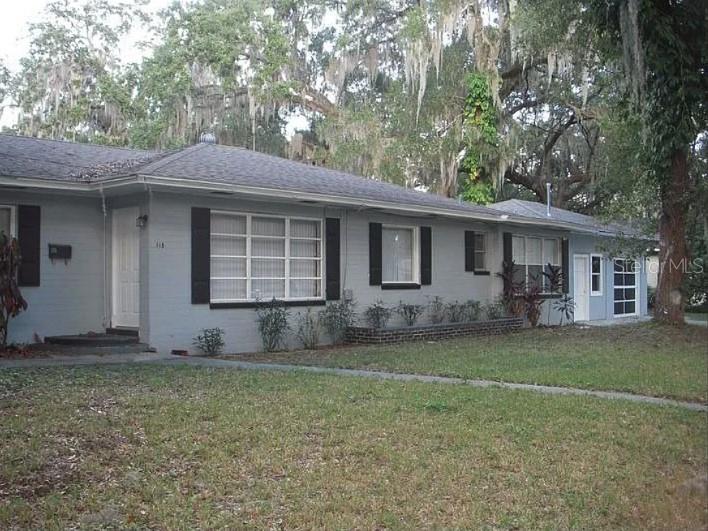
267	226
518	248
397	255
596	283
519	274
619	308
533	251
306	248
535	276
619	279
227	245
629	307
304	268
629	294
596	261
228	267
304	288
267	289
479	242
228	289
550	252
300	228
480	260
5	221
267	268
227	224
268	247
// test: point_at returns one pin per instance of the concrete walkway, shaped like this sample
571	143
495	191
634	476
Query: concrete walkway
161	359
546	389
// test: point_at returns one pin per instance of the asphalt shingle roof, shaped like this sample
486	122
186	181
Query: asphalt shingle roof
22	156
69	161
529	209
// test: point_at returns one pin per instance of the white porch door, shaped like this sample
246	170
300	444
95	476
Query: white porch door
581	286
126	268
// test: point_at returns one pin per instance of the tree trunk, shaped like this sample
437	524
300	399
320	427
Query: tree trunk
673	259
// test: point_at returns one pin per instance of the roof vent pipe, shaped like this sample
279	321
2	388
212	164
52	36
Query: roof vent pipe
548	199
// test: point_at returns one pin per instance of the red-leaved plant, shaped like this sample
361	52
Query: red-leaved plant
11	300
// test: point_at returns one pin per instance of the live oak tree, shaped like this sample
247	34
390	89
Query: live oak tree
664	53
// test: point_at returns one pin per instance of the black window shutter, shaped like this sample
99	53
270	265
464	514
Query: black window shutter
201	249
469	250
426	256
508	253
375	258
565	264
333	258
29	218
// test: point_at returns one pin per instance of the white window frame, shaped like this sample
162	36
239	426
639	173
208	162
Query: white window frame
415	269
287	258
598	293
483	251
542	264
13	219
635	286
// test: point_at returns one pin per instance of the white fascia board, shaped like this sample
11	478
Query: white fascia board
97	187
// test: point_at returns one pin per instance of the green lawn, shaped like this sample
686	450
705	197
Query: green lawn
166	447
647	358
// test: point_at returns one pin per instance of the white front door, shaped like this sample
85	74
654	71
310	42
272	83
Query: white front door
581	286
126	268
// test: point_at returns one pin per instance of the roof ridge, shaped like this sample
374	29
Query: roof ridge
75	143
171	157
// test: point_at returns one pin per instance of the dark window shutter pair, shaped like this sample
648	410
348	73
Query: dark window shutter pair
469	250
376	255
29	219
201	251
333	259
565	264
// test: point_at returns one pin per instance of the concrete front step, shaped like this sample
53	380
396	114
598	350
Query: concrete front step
86	350
92	340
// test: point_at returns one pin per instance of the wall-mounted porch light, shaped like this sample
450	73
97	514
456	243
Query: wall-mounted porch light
141	221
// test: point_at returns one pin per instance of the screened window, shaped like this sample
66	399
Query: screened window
261	257
625	287
531	257
7	220
480	251
399	262
596	275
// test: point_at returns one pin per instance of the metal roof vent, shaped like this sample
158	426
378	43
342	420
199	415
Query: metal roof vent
207	138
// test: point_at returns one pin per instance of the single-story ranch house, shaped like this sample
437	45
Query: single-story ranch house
170	243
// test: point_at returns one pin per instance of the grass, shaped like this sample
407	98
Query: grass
647	358
179	447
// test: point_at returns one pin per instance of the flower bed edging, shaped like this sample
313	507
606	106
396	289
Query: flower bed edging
364	335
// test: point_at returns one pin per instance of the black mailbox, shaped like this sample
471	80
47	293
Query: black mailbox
59	252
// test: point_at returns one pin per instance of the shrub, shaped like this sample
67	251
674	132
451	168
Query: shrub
337	317
308	329
473	310
512	291
210	341
436	310
410	312
494	310
455	311
532	304
272	319
11	300
378	314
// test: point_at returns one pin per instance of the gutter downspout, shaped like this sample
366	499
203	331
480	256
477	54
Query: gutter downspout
106	318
